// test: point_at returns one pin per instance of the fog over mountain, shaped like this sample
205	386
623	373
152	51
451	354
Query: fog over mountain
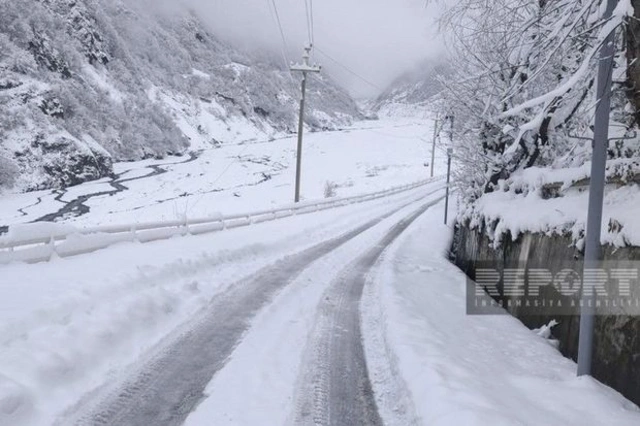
378	39
413	93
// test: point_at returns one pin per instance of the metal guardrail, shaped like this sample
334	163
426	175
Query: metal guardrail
66	241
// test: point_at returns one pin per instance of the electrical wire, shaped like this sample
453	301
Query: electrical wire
307	9
284	48
276	16
349	70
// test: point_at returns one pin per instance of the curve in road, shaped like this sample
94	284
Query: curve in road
171	384
336	387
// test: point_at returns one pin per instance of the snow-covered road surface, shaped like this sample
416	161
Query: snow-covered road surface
346	316
172	381
335	381
343	317
427	362
88	324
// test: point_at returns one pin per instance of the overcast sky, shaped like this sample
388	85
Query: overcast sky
376	39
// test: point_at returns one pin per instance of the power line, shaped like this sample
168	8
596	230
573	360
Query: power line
307	9
312	21
274	13
284	48
349	70
279	22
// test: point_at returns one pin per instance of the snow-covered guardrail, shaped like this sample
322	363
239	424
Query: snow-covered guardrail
42	241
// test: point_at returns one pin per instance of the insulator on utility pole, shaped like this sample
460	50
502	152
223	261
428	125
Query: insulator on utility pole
305	67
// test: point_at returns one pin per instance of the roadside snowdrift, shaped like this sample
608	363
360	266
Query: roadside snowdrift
465	369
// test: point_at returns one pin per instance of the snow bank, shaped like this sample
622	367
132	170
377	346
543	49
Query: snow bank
554	201
471	370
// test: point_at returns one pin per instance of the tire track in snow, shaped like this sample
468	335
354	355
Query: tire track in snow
335	386
171	384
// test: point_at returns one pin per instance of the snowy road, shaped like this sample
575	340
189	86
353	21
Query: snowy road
350	316
336	387
171	382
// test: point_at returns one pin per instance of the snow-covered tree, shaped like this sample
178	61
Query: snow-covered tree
8	172
524	82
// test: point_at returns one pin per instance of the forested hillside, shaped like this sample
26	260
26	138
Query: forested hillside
84	83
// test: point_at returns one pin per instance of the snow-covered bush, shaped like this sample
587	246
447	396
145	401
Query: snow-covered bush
330	189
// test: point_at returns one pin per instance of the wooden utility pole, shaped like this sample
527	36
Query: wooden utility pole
304	68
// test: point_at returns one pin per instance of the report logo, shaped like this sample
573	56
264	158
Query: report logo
608	288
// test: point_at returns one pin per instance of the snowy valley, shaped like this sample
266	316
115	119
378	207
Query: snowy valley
86	84
156	268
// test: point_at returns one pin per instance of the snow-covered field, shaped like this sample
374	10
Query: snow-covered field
242	177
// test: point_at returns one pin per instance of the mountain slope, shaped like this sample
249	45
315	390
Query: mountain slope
410	95
86	83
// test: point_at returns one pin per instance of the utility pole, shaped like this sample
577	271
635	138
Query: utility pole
593	250
433	148
304	68
446	203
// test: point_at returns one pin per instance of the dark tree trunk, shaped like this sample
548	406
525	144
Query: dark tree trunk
527	153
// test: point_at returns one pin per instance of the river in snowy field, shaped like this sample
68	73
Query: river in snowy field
242	177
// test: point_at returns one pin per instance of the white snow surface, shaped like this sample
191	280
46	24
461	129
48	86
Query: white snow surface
518	206
458	369
69	326
254	174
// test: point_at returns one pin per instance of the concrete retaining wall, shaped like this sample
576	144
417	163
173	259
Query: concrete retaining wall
617	337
